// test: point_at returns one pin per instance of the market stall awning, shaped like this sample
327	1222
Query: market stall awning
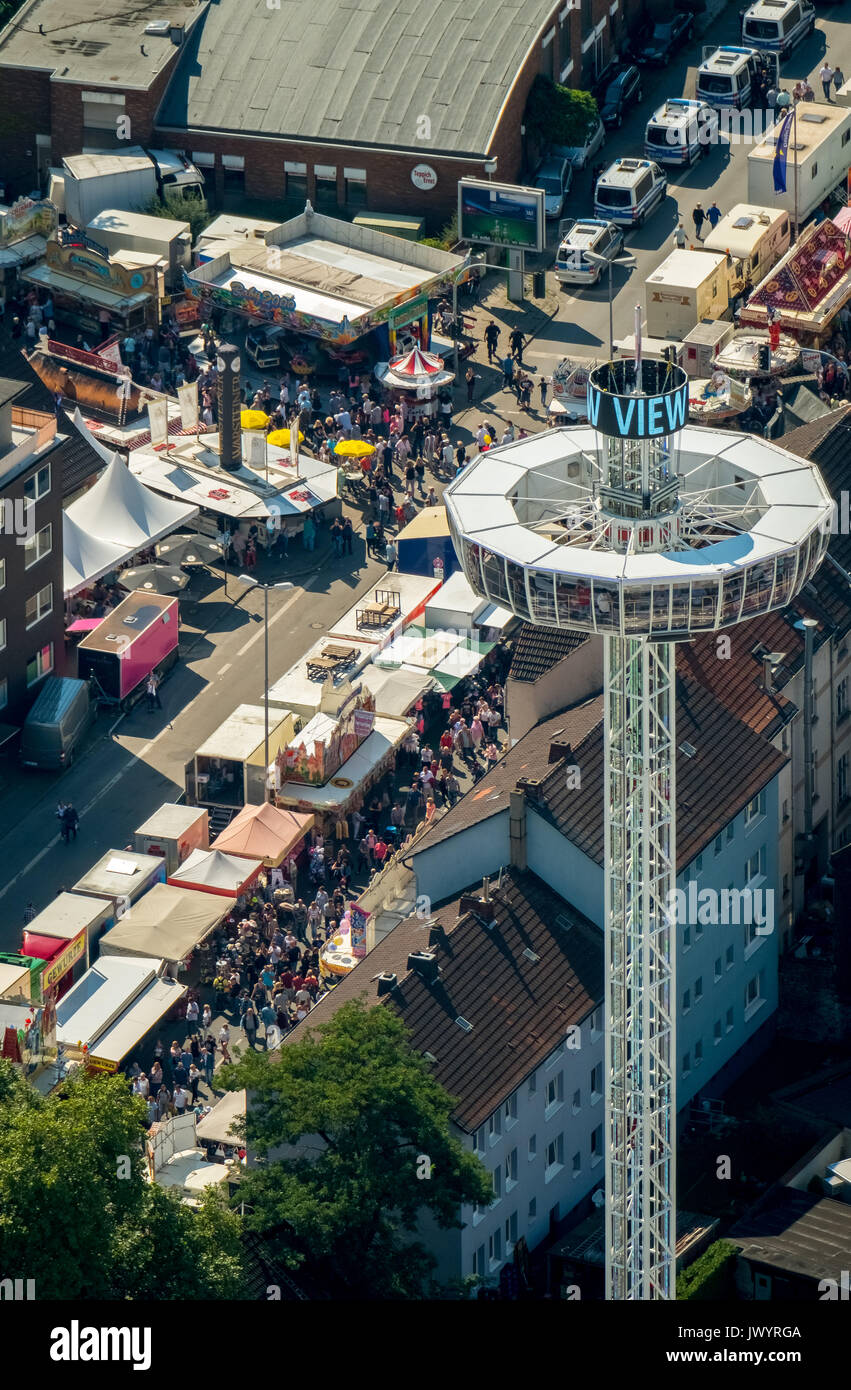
264	832
43	947
18	253
216	1128
86	557
211	871
121	510
166	922
92	294
101	995
395	689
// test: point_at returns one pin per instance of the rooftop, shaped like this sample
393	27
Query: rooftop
799	1233
827	444
536	971
357	72
538	649
97	41
816	120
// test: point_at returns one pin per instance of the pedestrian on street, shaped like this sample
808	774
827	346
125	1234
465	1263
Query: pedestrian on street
515	343
698	216
771	97
70	821
507	372
713	213
471	379
680	237
390	555
838	78
152	689
491	338
542	387
825	73
209	1058
194	1082
783	100
224	1040
192	1012
29	913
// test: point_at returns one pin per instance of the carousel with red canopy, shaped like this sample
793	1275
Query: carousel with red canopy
418	376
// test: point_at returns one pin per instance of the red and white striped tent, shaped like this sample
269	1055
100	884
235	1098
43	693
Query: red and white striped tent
414	370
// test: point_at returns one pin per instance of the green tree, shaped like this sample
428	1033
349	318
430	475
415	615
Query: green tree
557	115
77	1214
374	1149
182	209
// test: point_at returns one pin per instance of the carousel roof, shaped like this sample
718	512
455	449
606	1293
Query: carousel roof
806	276
417	363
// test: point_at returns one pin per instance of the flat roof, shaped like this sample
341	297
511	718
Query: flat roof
361	72
386	735
815	122
171	819
138	224
728	236
129	869
242	733
97	41
686	268
68	914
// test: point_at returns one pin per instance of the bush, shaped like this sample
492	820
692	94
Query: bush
182	209
557	115
711	1276
447	239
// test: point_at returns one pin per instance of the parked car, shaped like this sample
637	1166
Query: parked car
573	266
554	177
578	155
624	91
666	39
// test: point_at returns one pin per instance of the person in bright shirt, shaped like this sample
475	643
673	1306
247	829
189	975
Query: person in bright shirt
379	851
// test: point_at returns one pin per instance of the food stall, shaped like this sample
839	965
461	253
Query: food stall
425	546
173	832
417	377
213	871
114	1007
85	283
68	915
327	665
265	832
168	924
227	770
141	635
385	609
24	229
456	605
120	878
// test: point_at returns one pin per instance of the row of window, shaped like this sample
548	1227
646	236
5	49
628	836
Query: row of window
754	998
295	179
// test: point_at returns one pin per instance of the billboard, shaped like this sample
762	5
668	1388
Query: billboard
501	214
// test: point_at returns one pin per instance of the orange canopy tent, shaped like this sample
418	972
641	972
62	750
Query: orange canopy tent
264	832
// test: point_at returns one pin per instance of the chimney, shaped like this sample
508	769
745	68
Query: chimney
386	982
424	964
559	748
483	908
770	663
517	828
436	934
230	408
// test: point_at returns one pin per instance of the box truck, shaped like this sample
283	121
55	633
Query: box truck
756	236
92	182
136	638
165	237
820	151
687	287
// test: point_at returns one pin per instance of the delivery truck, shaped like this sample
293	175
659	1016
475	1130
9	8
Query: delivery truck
129	181
136	638
820	152
165	237
688	287
756	236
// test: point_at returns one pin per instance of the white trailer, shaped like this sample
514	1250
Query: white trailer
97	181
165	237
756	236
688	287
820	151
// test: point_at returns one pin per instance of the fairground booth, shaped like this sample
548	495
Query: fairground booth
168	924
93	290
267	833
112	1011
228	769
172	833
804	292
119	879
417	378
24	229
213	871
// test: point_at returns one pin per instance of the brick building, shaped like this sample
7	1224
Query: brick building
297	99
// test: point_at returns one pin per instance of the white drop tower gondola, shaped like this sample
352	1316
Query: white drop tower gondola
643	529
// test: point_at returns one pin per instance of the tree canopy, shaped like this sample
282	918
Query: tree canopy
557	115
77	1214
355	1133
182	209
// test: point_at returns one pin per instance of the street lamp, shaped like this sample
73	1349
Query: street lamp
610	261
261	584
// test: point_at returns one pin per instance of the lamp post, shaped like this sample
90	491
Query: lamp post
261	584
609	261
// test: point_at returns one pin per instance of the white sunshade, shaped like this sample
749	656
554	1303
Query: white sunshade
120	509
101	995
215	870
86	557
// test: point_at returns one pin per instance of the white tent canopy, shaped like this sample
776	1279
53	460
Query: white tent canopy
86	557
119	508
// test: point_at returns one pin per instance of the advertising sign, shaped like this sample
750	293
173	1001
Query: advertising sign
357	934
62	964
27	218
638	417
423	177
364	722
501	214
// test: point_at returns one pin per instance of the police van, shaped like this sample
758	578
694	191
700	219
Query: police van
681	131
726	76
595	234
629	191
778	25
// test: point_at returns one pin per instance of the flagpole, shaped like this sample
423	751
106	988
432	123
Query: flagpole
795	147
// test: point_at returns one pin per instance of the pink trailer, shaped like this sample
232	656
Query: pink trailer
136	638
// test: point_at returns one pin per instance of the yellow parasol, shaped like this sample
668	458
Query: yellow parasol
354	448
253	420
281	438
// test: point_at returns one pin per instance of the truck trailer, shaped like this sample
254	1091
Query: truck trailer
165	237
128	181
688	287
819	152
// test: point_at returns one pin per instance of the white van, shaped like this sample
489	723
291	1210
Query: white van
778	25
725	77
573	266
629	191
681	131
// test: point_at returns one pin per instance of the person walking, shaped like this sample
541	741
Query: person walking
491	338
698	217
471	379
390	555
713	213
507	372
29	914
194	1082
152	690
783	100
192	1012
825	74
680	237
209	1058
838	78
224	1041
515	343
542	387
70	821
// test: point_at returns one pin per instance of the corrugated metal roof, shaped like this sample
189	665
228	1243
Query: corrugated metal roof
361	72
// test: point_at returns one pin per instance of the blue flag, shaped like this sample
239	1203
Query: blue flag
781	151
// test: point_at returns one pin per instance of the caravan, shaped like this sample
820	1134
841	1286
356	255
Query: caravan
756	236
817	161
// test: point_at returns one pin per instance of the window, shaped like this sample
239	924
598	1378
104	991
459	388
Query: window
842	698
233	166
204	159
497	1181
596	1145
698	989
686	1063
533	1208
479	1140
510	1232
785	810
785	885
38	484
814	171
842	778
686	1000
554	1157
533	1083
4	693
40	664
495	1248
295	182
731	831
755	808
596	1082
554	1057
510	1111
354	181
698	865
718	968
38	606
577	1164
716	1031
511	1170
728	1021
754	998
729	956
698	1052
686	938
479	1262
533	1147
38	546
326	185
494	1127
555	1094
2	574
597	1022
577	1101
755	865
102	112
2	634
